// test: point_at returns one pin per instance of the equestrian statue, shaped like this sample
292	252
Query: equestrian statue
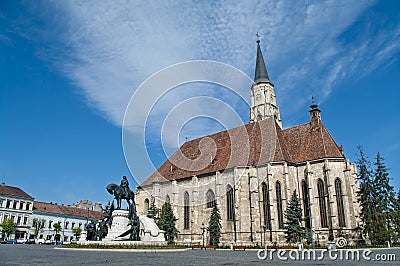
123	192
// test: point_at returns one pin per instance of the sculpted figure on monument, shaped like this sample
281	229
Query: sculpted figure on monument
91	231
122	192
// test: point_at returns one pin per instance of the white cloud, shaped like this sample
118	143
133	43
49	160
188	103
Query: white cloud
109	48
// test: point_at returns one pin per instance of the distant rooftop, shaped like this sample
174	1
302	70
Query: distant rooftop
54	208
13	191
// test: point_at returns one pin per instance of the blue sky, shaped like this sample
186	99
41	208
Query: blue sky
69	68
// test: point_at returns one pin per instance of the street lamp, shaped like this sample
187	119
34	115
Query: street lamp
204	230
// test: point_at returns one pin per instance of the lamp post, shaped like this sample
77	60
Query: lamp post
203	230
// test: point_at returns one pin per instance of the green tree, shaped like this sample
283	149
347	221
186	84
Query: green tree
77	232
366	196
153	211
395	218
295	233
214	226
57	229
167	222
385	201
37	225
8	226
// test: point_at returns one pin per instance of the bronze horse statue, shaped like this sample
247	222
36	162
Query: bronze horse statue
119	195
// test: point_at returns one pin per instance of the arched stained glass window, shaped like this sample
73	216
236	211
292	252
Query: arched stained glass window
339	202
306	203
322	203
266	208
186	211
230	203
210	198
279	204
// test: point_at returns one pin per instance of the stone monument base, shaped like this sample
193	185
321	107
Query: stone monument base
150	234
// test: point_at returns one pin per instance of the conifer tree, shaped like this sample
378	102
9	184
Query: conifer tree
153	211
384	201
214	226
366	196
167	222
295	233
395	218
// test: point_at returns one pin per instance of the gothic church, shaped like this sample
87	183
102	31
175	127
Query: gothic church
251	172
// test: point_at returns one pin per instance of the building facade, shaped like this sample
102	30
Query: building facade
16	204
252	170
67	216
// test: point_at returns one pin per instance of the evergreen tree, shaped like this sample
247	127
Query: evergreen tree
153	211
77	232
214	226
366	196
167	222
384	200
295	233
395	218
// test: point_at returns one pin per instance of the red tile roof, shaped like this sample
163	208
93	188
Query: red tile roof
64	210
13	191
251	144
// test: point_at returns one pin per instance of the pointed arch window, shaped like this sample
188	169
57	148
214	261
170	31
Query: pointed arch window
266	209
339	202
167	199
210	198
306	203
186	211
146	206
230	203
322	203
279	204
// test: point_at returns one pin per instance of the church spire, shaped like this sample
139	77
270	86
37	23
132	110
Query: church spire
315	114
261	74
263	99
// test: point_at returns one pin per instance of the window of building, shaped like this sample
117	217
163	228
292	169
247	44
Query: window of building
146	206
8	204
28	204
339	202
210	198
1	202
73	225
80	225
186	211
15	204
279	204
50	223
21	205
19	220
25	220
306	203
230	203
322	203
167	199
66	225
266	207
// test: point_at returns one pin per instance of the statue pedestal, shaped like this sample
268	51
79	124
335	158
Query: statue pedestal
149	231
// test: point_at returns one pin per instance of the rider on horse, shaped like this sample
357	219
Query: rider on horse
125	185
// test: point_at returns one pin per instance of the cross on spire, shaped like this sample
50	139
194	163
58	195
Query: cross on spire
257	37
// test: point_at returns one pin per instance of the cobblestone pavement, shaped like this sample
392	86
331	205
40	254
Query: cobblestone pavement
49	255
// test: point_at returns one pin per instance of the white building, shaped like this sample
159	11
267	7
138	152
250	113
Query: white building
16	204
67	216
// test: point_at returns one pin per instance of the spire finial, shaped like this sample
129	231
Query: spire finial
257	37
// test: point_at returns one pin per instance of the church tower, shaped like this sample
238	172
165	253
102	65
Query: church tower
263	99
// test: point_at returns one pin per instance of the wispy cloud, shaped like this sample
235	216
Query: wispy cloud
109	48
